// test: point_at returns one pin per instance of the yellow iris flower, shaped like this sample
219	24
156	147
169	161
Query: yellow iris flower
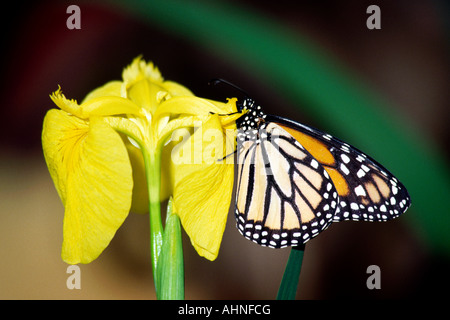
131	144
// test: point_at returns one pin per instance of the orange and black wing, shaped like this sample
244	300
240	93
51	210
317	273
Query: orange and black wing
285	196
367	191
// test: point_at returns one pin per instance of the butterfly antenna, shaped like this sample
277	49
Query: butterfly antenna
218	80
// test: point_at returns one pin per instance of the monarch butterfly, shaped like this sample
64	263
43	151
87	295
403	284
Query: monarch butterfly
294	181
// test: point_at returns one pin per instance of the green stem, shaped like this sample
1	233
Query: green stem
289	283
152	163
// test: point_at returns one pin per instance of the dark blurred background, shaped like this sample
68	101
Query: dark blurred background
406	62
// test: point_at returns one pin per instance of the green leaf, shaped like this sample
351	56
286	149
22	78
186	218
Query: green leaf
170	267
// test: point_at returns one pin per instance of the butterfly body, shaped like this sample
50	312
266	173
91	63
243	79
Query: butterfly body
294	181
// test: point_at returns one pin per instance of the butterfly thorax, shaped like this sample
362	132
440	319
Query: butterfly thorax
249	124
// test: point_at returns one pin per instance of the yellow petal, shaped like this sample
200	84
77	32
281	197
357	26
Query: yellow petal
144	93
176	89
107	106
139	69
97	106
165	129
189	110
145	86
128	126
194	106
60	133
70	106
166	189
203	188
92	173
203	199
112	88
140	191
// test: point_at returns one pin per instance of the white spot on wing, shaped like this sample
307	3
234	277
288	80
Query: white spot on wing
344	169
394	190
345	158
314	164
359	190
360	173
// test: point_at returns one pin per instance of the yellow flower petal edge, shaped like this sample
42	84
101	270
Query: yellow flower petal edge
92	173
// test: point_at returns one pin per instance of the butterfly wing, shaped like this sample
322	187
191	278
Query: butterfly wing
367	191
284	195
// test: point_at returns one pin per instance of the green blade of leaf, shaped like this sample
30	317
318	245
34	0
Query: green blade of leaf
170	268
